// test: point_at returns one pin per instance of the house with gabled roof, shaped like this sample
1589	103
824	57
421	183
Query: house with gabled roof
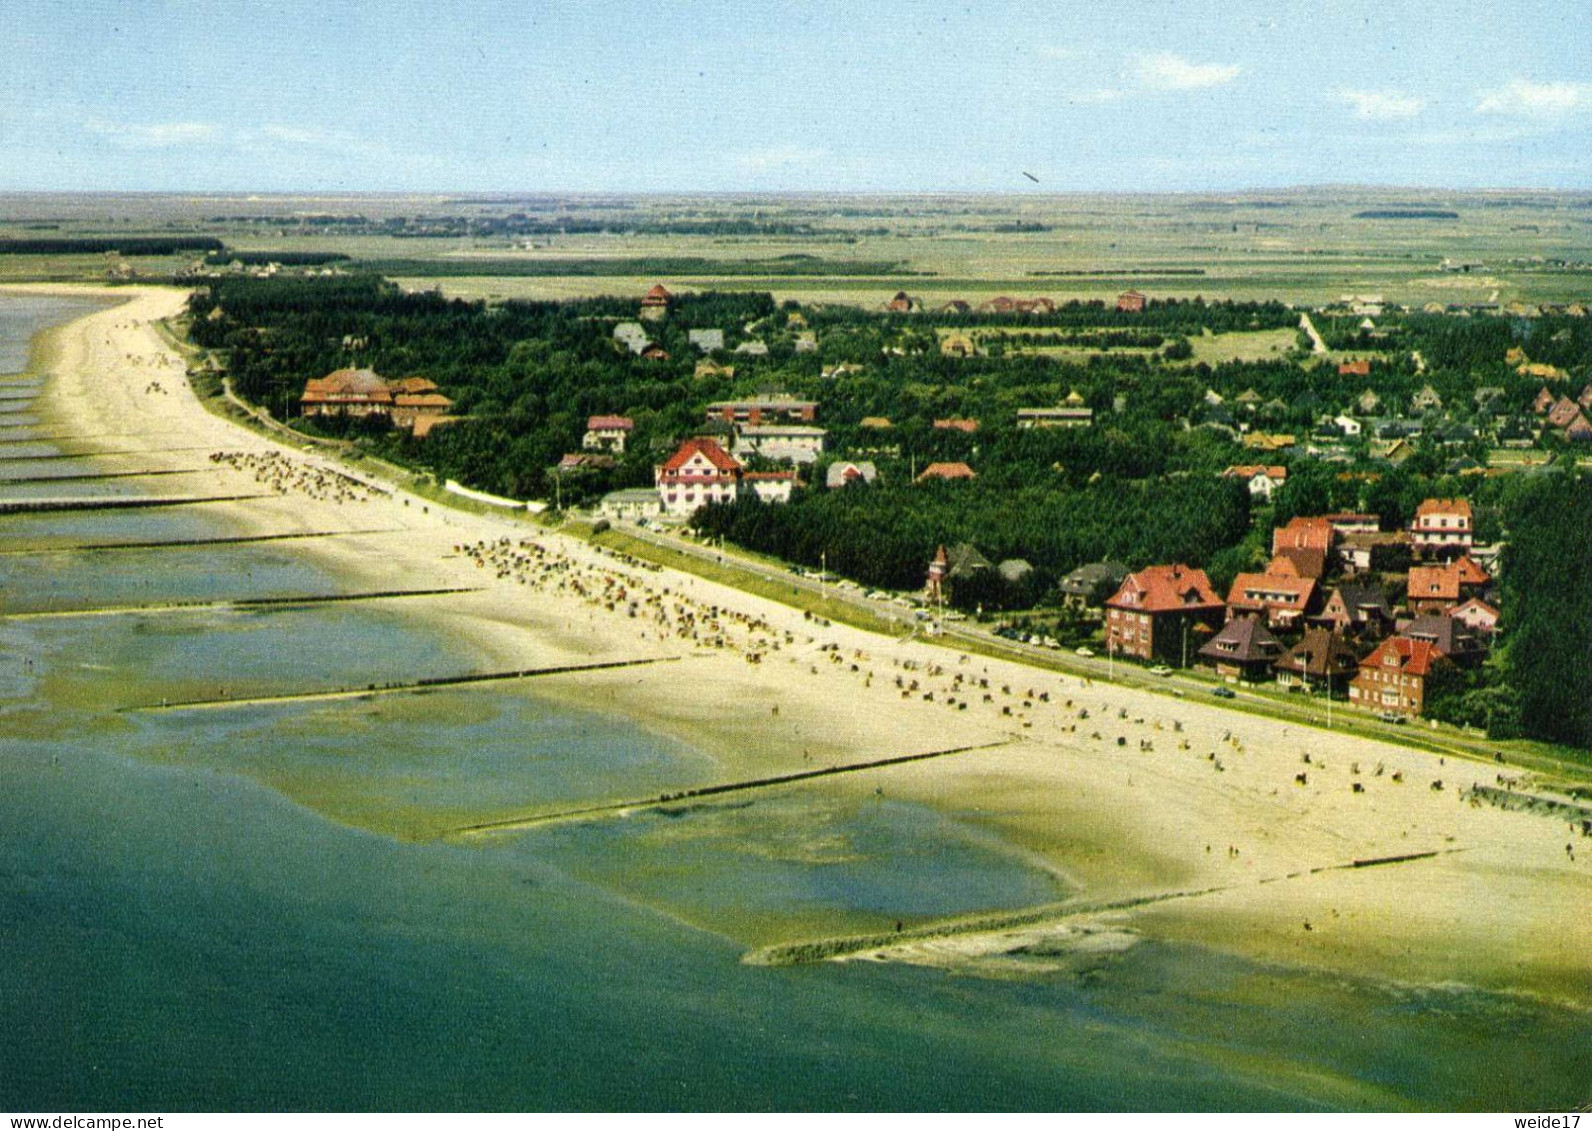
1357	608
1131	302
1454	638
1282	601
1393	678
1303	533
956	424
1164	612
1477	615
1322	658
1088	586
698	473
1261	479
843	473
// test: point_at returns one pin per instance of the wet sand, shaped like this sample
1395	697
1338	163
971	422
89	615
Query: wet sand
1131	795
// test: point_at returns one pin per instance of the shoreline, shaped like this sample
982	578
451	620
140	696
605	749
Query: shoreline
1130	792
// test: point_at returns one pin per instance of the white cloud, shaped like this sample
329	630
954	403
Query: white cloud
1380	105
1166	71
155	135
1524	98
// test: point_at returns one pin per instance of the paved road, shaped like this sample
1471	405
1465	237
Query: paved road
1299	708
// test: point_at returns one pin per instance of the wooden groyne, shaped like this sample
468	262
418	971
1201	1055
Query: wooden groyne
404	688
187	543
95	476
1516	801
241	605
50	506
620	808
6	457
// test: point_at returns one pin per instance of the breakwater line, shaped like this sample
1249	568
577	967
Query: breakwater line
241	605
47	506
407	687
93	477
1048	914
25	458
190	543
622	808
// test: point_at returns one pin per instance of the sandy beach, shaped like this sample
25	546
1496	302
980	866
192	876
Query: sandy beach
1196	824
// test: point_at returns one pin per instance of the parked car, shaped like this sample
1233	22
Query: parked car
1393	717
1086	653
1160	669
1224	693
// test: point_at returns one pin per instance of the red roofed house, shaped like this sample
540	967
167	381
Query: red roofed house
1359	367
1165	612
1543	402
655	303
1563	413
1393	678
1477	615
1131	302
1443	527
1262	479
1303	534
1282	601
1433	589
946	471
347	392
699	472
607	433
956	424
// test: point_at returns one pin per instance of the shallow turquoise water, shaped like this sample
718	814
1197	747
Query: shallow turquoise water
222	910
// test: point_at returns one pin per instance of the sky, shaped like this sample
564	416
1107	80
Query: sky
768	96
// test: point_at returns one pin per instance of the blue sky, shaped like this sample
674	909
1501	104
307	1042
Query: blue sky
714	96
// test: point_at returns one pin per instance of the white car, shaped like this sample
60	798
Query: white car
1160	669
1086	653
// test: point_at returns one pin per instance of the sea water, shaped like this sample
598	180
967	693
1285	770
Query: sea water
258	907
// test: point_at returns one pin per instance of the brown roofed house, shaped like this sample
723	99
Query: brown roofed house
1322	658
1244	649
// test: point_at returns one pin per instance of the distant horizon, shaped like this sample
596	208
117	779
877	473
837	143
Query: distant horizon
487	195
1135	97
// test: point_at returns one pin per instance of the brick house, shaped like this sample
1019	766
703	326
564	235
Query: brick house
1131	302
1164	612
1393	678
1283	602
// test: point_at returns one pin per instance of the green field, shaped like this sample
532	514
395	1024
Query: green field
1307	247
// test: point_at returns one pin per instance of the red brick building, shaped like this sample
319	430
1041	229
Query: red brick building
1165	612
1393	678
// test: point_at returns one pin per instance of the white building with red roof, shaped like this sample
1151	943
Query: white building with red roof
1443	527
701	472
607	433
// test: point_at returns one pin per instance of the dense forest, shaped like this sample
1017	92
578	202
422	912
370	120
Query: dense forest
1141	485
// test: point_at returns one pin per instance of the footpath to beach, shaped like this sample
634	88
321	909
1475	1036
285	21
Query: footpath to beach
1172	819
